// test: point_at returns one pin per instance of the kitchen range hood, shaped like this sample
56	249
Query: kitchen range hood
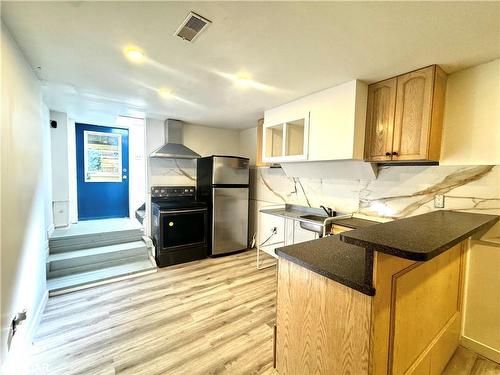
173	147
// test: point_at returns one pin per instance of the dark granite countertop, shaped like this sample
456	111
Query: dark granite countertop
348	257
355	223
420	237
329	256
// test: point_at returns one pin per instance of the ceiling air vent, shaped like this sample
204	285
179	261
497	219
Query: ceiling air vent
192	26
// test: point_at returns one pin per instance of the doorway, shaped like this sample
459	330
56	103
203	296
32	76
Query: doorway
102	172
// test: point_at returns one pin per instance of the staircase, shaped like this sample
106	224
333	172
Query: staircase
97	251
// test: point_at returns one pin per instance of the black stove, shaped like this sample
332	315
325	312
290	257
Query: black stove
179	225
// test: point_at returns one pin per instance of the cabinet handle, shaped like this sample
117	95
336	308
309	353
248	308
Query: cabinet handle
388	154
395	153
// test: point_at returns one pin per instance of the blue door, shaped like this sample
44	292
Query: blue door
102	172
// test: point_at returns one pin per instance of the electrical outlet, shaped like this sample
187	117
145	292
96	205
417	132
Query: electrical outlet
18	319
439	201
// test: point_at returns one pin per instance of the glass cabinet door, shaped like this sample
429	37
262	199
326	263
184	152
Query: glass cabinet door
274	141
295	132
286	141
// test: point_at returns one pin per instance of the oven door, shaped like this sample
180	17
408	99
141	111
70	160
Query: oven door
183	228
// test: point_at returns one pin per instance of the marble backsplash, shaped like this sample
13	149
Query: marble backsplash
171	172
398	191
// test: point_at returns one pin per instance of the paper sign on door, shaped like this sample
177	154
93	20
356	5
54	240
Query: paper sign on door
102	157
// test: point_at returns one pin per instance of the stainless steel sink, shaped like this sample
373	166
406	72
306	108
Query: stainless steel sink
320	218
318	224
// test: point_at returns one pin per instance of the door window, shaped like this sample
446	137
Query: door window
102	157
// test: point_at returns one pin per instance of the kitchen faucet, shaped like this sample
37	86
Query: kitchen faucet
330	212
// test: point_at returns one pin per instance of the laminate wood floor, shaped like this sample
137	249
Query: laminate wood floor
466	362
206	317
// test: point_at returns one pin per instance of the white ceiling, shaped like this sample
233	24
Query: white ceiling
290	48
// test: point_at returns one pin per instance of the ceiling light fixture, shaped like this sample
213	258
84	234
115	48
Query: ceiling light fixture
165	93
243	79
134	54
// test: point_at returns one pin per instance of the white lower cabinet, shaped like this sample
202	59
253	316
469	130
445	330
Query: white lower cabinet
288	232
302	235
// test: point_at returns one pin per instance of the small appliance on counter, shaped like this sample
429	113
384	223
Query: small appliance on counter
179	225
222	183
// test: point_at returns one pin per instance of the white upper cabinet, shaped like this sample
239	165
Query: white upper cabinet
287	140
327	125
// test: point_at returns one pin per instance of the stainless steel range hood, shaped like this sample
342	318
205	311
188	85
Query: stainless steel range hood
173	147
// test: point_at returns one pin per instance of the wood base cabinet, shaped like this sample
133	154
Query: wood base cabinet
404	118
410	326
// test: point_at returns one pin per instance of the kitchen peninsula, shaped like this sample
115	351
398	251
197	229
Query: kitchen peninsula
383	299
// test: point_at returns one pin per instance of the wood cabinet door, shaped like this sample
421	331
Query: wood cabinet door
412	122
380	120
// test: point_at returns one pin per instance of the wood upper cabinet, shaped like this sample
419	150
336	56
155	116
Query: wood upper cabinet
380	119
405	117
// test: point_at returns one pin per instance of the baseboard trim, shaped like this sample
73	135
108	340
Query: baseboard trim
50	230
479	348
37	317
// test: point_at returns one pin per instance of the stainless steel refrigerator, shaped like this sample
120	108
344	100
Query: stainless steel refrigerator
222	183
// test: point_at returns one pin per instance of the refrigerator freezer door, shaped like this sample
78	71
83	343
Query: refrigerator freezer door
230	220
230	171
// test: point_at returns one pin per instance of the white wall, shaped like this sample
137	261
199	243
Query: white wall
25	191
137	161
64	165
481	329
248	144
204	140
201	139
47	172
72	185
471	138
212	141
471	133
60	169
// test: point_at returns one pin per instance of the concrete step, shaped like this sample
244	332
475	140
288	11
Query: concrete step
95	240
96	255
93	267
94	233
64	284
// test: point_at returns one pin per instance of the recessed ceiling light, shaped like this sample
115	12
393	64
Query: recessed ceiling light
134	54
243	79
165	93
